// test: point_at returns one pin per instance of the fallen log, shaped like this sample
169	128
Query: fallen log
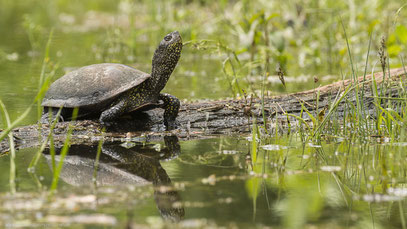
204	118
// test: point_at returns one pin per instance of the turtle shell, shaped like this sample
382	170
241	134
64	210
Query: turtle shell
92	85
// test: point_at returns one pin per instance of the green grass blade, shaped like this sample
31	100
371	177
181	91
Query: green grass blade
333	107
96	165
42	75
12	178
254	141
300	119
63	153
313	119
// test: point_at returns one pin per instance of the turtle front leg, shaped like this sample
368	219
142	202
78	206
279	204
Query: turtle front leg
113	112
171	107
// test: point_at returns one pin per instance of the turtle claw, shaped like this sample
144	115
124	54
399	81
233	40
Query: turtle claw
170	124
106	124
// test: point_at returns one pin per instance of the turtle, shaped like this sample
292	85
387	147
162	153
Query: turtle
109	90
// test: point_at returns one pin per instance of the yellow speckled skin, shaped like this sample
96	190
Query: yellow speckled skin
165	59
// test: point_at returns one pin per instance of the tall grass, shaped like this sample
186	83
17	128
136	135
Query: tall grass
64	152
45	79
12	178
96	164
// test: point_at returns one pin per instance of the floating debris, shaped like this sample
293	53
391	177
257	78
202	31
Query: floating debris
197	223
398	144
68	19
211	180
328	168
379	198
12	56
82	219
250	138
226	200
314	146
227	152
23	204
196	204
400	192
157	147
128	144
305	156
273	147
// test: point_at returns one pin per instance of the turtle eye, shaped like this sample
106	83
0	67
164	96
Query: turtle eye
168	38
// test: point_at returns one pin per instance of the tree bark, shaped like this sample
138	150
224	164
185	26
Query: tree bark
204	118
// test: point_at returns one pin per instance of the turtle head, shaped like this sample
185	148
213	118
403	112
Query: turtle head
165	58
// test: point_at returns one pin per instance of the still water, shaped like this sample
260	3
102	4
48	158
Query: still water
212	182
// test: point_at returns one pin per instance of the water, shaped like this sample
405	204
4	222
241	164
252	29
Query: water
212	182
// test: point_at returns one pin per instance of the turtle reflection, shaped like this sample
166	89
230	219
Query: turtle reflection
138	165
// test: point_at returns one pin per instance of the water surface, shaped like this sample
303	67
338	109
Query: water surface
214	182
